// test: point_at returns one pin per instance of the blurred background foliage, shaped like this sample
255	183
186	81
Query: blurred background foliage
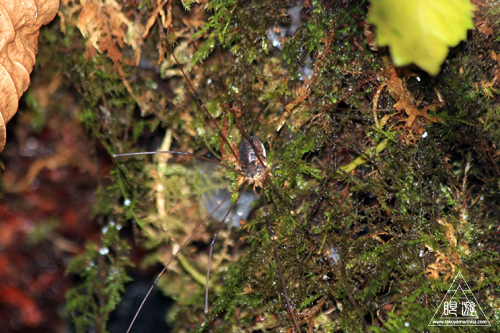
393	174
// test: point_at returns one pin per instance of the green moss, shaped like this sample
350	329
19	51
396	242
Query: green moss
102	270
354	236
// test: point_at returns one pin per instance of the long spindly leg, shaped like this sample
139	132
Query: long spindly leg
289	307
203	107
262	160
176	254
221	224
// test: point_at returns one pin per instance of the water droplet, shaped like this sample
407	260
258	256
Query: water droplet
31	143
334	255
30	147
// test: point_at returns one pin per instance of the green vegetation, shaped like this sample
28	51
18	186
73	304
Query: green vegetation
421	32
388	179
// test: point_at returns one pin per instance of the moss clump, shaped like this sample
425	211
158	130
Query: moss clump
359	249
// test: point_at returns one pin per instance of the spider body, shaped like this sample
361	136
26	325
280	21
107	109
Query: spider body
253	163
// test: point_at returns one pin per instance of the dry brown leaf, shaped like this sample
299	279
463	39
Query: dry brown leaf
20	24
107	28
450	232
484	23
405	101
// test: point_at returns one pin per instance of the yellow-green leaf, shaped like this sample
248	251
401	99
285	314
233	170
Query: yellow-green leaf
420	31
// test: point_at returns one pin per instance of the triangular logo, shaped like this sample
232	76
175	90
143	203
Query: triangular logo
459	307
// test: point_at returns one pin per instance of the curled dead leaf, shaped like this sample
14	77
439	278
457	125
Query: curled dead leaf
20	24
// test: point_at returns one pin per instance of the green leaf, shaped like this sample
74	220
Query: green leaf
421	31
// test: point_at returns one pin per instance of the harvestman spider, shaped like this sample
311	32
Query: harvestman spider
251	164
